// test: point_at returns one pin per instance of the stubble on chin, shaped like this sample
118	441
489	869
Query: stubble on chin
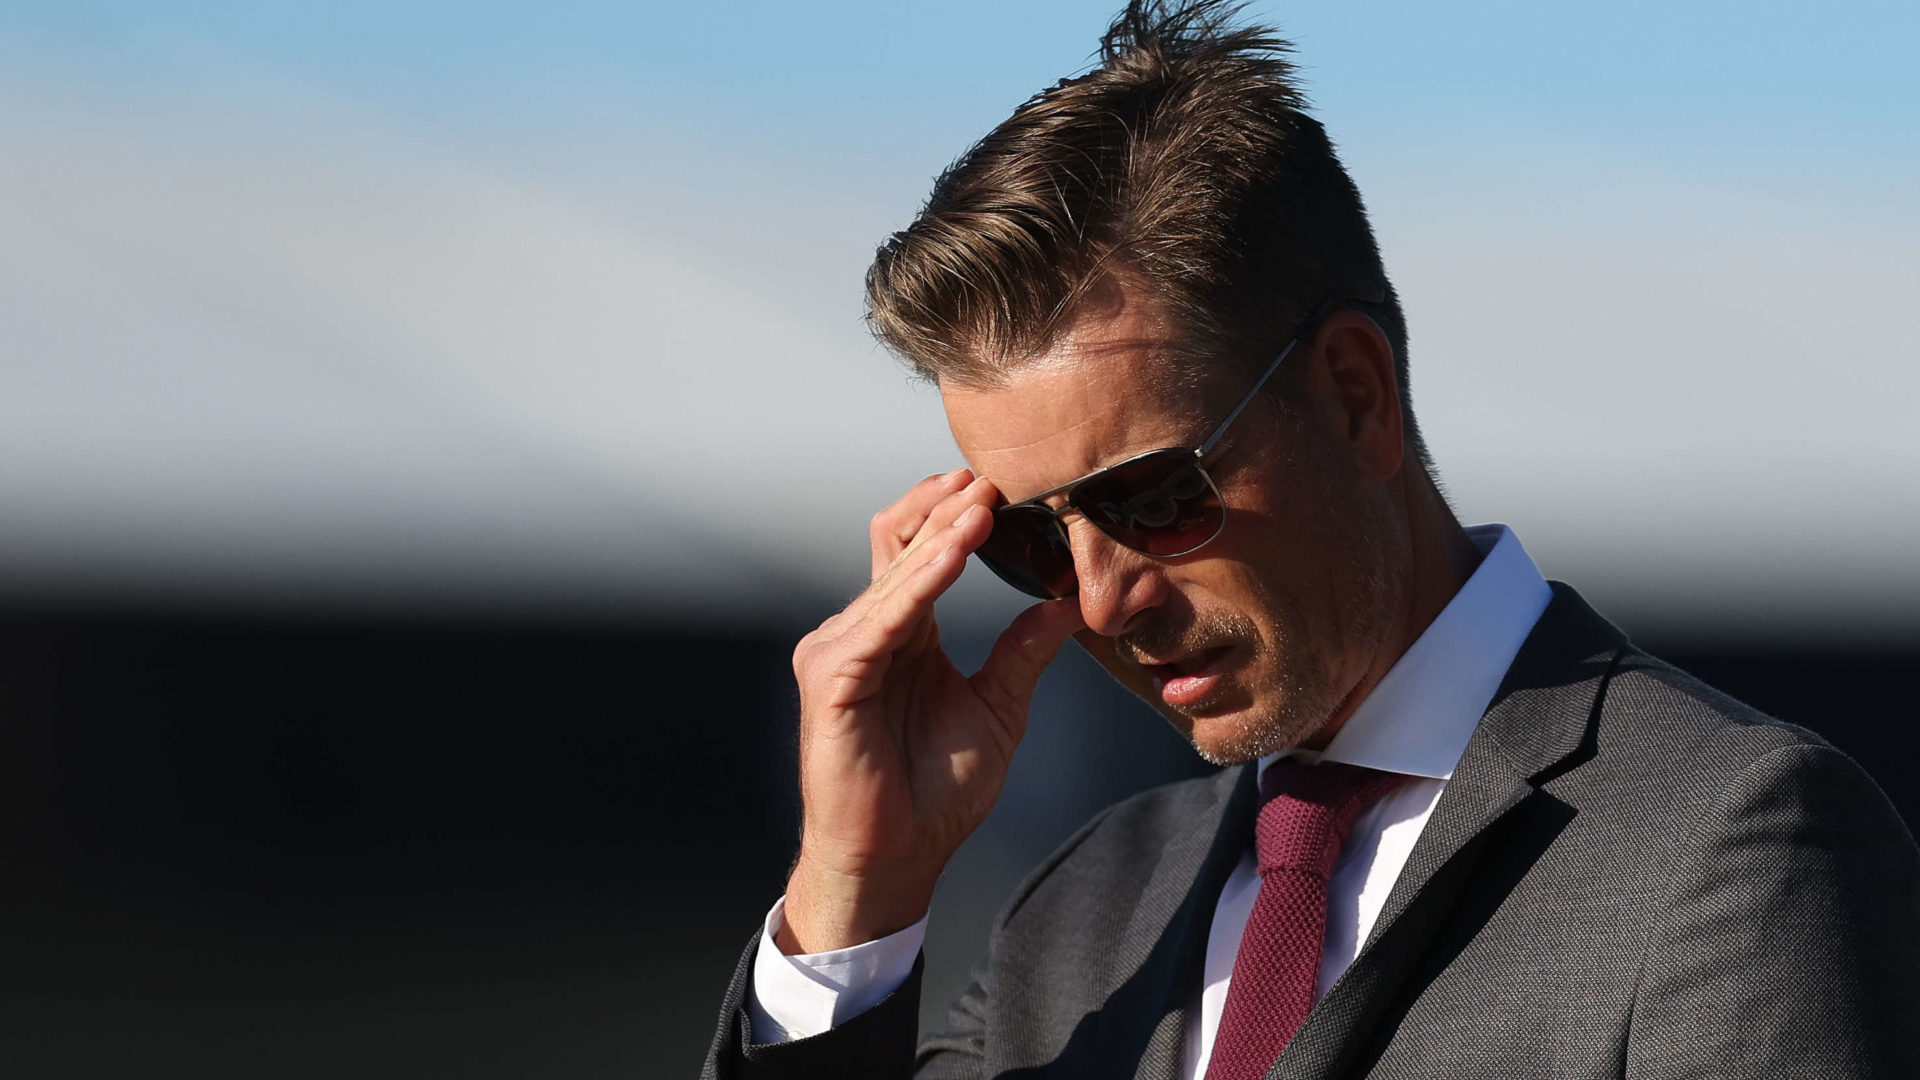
1303	687
1281	716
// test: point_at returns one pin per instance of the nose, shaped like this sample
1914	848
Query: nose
1118	586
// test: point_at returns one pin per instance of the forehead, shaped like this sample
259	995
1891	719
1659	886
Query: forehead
1113	386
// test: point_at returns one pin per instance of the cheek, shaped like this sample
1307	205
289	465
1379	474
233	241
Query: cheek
1291	528
1287	579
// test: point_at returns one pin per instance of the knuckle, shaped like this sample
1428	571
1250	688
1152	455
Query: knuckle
829	632
807	651
803	656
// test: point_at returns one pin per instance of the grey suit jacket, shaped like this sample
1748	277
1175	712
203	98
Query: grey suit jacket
1629	875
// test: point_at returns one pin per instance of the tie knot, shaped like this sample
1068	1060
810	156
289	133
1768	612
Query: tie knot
1306	812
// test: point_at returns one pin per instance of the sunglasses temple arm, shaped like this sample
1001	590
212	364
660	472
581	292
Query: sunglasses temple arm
1307	326
1221	431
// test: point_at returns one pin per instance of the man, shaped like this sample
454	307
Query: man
1465	828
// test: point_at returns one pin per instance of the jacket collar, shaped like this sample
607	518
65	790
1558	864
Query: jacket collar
1163	950
1537	726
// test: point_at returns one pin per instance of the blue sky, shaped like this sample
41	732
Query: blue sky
506	301
1712	77
1798	99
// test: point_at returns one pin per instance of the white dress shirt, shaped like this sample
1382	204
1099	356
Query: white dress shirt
1416	721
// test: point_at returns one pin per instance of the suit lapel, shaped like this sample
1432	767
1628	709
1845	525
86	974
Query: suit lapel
1539	719
1165	955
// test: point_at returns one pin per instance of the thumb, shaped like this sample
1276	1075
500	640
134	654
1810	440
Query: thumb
1006	681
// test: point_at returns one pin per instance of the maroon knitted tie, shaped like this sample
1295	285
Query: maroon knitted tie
1306	812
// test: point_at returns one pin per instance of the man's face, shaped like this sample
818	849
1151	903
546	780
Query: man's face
1260	639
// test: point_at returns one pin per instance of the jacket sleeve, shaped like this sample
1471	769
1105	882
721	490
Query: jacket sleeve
876	1045
958	1052
1790	945
879	1044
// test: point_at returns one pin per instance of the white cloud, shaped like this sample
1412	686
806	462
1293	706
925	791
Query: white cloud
325	358
1699	400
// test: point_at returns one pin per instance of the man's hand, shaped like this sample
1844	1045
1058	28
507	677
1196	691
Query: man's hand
901	755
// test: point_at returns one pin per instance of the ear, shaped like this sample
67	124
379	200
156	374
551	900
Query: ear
1360	395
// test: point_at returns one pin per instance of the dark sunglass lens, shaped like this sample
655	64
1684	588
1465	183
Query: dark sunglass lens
1028	549
1160	503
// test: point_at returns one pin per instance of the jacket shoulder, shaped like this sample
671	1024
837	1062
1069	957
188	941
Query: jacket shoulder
1665	711
1673	760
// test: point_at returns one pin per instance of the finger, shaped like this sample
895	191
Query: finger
909	587
970	528
893	528
948	512
891	623
1006	681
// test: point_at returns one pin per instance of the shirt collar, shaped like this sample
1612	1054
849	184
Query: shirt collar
1419	717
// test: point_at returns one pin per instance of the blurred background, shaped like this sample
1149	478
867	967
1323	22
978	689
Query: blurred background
425	430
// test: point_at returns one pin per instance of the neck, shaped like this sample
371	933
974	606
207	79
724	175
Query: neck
1443	557
1440	559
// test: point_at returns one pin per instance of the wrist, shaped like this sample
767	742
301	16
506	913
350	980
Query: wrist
828	908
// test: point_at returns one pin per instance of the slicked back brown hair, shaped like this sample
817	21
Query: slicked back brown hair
1182	164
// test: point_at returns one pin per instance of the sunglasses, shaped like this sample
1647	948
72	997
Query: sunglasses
1161	503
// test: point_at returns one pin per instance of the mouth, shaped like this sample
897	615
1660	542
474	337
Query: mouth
1189	680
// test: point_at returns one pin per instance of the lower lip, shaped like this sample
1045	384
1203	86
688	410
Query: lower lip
1194	688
